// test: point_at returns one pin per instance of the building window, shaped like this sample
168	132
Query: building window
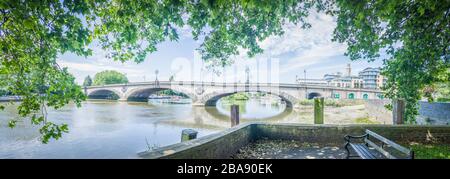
380	96
337	95
365	96
351	96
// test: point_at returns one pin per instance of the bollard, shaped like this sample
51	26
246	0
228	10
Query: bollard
318	110
398	111
234	115
188	134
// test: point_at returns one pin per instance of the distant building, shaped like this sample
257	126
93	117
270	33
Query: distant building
372	78
368	78
329	77
346	80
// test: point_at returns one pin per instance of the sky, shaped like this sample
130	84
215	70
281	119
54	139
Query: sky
284	58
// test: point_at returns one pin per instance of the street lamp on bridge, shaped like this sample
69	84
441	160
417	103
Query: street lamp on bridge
247	72
156	78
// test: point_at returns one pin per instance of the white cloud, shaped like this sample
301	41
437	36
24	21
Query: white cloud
88	67
185	32
306	46
297	49
80	67
296	38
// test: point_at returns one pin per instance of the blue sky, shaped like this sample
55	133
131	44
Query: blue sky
289	55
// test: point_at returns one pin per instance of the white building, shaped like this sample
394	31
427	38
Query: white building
368	78
372	78
346	80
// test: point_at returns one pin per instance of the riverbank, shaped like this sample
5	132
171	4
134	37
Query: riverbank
343	111
10	98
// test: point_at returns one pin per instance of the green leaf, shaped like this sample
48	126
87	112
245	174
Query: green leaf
12	123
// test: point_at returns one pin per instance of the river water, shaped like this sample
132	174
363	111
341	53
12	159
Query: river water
110	129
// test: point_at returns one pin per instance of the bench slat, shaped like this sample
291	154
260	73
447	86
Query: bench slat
362	151
389	142
367	152
379	149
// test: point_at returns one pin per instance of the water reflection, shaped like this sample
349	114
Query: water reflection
110	129
253	108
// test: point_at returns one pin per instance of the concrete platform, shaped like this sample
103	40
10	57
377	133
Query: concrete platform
229	143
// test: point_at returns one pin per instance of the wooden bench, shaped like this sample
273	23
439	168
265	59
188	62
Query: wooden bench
365	148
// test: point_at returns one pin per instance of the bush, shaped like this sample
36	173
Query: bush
441	151
109	77
443	99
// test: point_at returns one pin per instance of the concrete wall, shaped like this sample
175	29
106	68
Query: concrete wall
333	134
228	142
429	113
375	108
219	145
434	113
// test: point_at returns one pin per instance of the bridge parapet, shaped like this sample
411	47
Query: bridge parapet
208	92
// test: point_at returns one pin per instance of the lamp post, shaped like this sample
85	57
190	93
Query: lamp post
156	78
306	88
305	75
247	82
247	72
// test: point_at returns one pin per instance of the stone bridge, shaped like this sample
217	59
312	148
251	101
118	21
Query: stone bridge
207	93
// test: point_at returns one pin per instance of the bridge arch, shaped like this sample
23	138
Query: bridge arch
104	94
312	95
142	94
211	99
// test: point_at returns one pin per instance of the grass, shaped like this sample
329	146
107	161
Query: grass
365	120
333	102
430	151
443	99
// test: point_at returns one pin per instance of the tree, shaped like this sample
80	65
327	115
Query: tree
439	92
415	35
34	33
169	92
109	77
443	92
87	81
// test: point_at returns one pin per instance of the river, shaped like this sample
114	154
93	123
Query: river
110	129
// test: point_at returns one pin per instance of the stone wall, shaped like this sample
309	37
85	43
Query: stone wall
429	113
228	142
375	108
434	113
218	145
334	134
